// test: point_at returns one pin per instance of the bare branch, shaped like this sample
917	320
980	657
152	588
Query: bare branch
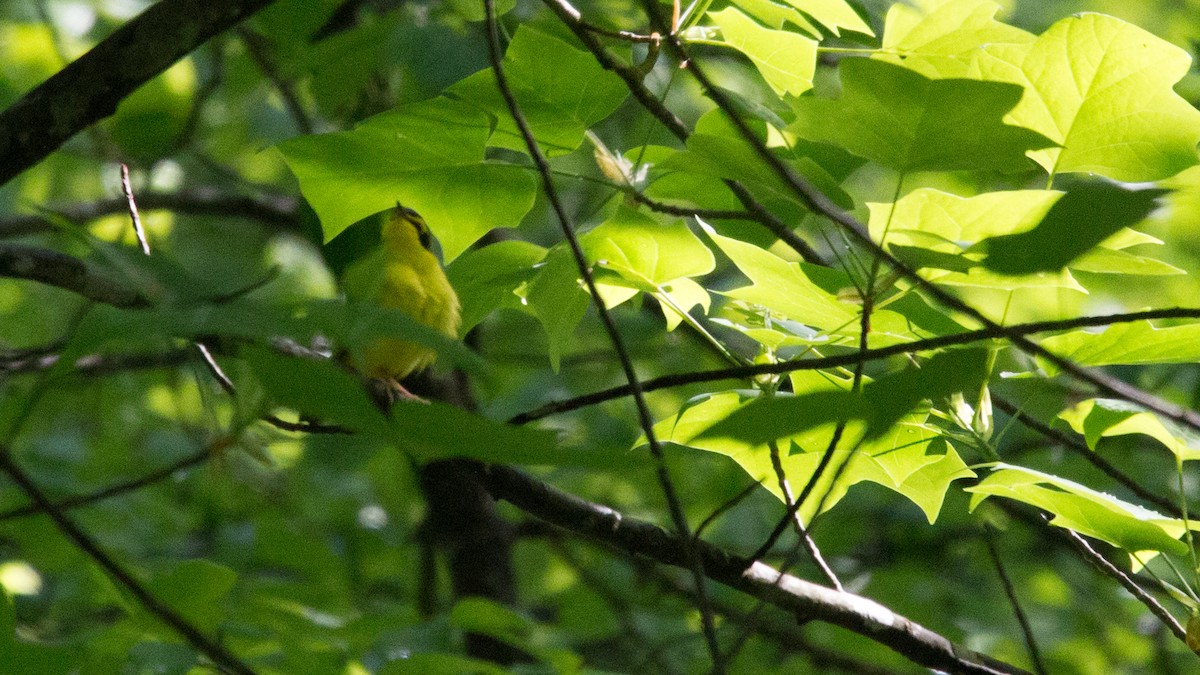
18	261
802	598
275	211
89	89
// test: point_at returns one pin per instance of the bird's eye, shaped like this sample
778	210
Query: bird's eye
425	238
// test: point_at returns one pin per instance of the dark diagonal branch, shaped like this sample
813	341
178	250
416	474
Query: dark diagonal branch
645	419
796	596
1011	593
194	637
115	490
1074	445
90	88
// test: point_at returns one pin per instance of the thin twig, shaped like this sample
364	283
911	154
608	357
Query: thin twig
260	53
117	489
633	81
644	417
127	190
1035	654
782	367
194	637
275	211
1081	449
797	521
1126	582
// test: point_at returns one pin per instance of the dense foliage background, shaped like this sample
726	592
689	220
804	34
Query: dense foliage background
824	243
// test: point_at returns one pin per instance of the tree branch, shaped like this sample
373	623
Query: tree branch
194	637
18	261
645	419
275	211
746	372
90	88
807	600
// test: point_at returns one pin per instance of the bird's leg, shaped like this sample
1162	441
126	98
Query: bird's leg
397	392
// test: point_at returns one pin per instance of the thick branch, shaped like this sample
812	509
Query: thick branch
90	88
59	269
806	600
275	211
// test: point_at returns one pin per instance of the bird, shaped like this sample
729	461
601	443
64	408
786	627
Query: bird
402	272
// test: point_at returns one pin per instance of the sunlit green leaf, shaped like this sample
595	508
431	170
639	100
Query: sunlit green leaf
833	14
904	121
1101	89
1134	343
774	15
781	286
944	41
1102	418
882	402
645	251
1079	220
1137	530
427	156
785	59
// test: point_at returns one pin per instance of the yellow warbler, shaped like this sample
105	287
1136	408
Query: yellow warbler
403	273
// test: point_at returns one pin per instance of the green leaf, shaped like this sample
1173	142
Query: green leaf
936	229
1102	418
1101	89
785	60
19	657
774	15
716	150
683	294
646	252
558	301
319	389
907	122
560	103
649	257
1080	220
1104	260
945	41
196	589
428	156
902	459
434	431
833	14
488	278
912	460
1136	343
781	286
882	403
1135	529
441	664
